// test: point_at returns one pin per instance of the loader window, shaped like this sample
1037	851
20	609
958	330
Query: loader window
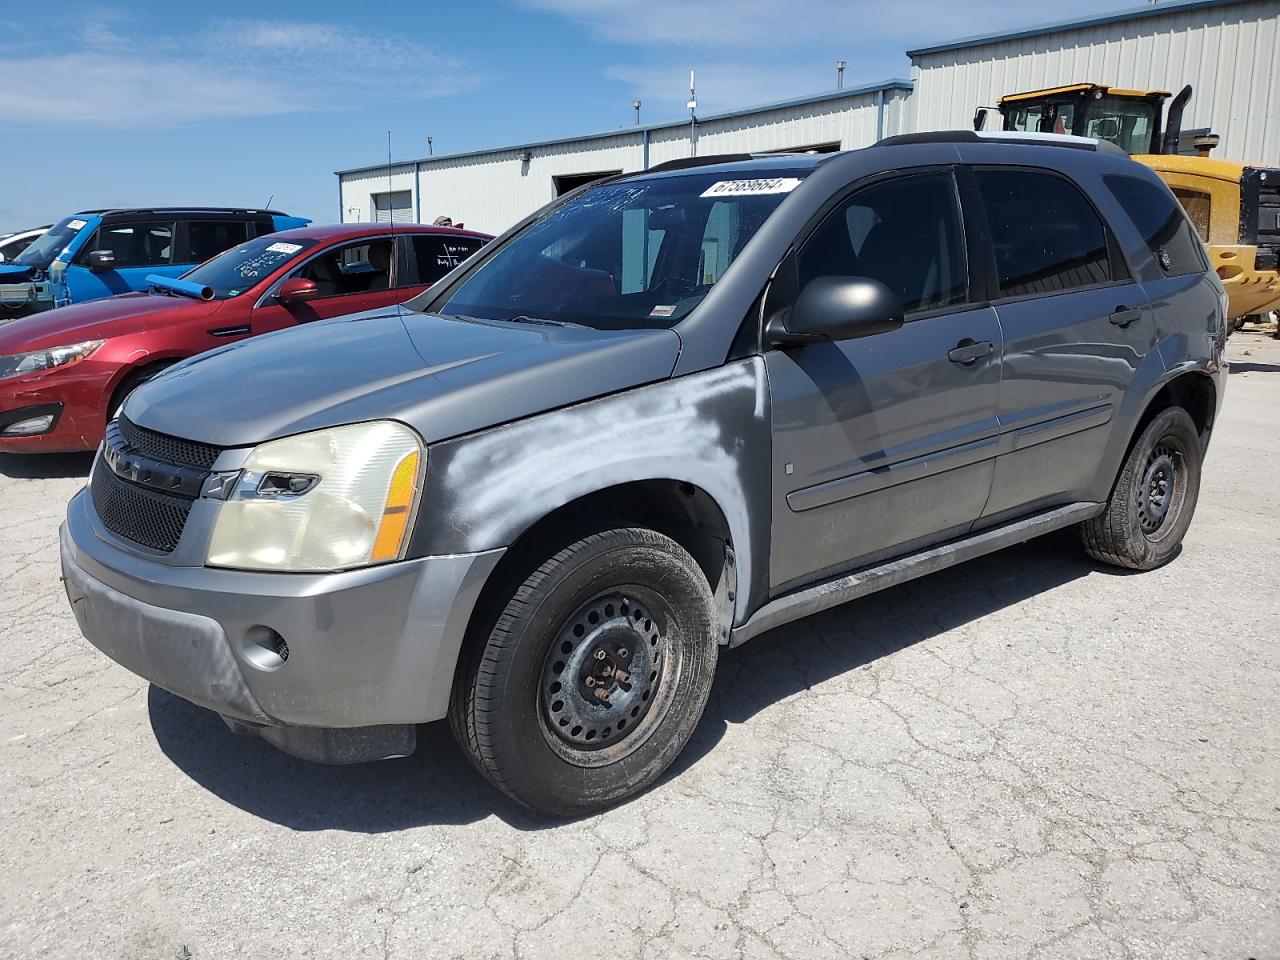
1128	123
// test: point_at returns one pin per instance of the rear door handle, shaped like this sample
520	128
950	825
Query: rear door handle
1123	316
969	352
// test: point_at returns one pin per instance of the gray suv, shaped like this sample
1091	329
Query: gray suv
665	414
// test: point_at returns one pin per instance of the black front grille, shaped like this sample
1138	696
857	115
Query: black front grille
161	446
132	511
1268	228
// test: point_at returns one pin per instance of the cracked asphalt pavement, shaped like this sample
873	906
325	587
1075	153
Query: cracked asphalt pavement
1029	756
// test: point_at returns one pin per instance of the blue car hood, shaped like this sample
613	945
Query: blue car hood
444	376
15	272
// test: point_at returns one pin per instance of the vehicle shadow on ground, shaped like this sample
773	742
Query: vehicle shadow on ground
45	466
1250	366
437	785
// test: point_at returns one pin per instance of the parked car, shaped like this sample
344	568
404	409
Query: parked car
12	244
670	412
99	253
64	373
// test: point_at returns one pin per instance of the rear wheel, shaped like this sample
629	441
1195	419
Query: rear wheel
1154	497
594	675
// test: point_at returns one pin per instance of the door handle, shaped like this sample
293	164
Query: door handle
1123	316
969	352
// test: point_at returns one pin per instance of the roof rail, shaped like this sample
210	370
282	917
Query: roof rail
684	162
1015	137
114	210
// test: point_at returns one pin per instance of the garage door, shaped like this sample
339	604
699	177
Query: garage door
394	207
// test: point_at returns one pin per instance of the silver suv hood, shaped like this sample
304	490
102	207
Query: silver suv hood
444	376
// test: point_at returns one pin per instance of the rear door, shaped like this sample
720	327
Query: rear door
141	247
203	239
884	443
350	277
1076	326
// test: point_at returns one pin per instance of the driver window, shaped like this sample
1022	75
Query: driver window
134	244
906	233
363	267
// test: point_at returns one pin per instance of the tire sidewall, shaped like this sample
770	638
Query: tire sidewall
1175	421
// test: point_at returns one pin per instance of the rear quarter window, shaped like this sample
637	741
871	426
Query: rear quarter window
1163	225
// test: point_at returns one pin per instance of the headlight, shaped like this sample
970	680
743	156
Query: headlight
329	500
38	360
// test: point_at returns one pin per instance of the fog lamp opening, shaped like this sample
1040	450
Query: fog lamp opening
29	427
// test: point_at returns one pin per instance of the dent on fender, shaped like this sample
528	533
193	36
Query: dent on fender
709	429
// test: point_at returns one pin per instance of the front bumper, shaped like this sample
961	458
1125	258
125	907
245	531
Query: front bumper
370	652
80	392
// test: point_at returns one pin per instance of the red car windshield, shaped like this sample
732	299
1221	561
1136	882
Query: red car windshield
231	273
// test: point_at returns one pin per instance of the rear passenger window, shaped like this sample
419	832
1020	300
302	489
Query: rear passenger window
433	257
135	244
905	233
1162	223
208	238
1047	237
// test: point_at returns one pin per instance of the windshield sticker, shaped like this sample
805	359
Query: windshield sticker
77	224
663	310
282	247
751	188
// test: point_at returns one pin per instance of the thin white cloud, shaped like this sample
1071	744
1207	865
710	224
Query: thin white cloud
243	68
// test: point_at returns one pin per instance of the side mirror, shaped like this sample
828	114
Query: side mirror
100	260
297	290
979	118
838	308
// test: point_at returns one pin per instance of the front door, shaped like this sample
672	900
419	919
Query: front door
140	247
885	443
349	278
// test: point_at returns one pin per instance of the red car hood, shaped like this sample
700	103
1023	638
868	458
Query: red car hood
100	319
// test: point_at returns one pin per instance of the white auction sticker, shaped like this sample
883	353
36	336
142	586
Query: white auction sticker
76	224
751	188
282	247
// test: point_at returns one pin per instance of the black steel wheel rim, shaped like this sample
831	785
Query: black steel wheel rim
608	676
1161	489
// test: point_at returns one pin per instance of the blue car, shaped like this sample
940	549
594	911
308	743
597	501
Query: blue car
99	253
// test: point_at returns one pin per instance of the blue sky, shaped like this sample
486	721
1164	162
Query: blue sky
230	103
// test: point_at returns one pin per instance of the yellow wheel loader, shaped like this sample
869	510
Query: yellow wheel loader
1235	207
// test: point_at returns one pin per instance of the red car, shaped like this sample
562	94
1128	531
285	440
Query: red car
64	372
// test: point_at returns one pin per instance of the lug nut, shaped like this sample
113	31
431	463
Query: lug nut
602	694
621	676
622	652
599	654
590	681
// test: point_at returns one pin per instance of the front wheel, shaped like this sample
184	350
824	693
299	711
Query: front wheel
594	675
1154	497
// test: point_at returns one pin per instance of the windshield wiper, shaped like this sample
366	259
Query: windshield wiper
521	318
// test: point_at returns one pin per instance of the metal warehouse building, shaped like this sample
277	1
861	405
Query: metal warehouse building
1228	50
492	189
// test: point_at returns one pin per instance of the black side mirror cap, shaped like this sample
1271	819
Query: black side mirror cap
100	260
838	308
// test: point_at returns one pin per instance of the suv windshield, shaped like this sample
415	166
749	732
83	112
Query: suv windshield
639	253
41	253
232	273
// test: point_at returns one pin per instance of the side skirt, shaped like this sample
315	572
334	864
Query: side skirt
851	586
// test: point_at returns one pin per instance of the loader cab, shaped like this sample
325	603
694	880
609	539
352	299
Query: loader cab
1131	119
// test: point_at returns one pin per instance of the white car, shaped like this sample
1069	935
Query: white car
12	244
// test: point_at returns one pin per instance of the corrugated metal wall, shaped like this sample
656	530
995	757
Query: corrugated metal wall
490	191
1229	54
359	189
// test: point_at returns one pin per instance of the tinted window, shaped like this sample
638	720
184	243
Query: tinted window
208	238
41	253
1162	223
433	257
635	253
135	244
905	233
1047	238
232	273
357	268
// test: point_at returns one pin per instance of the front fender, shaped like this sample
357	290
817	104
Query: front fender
710	429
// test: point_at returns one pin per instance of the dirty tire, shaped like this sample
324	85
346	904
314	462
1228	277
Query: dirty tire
1154	497
522	707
